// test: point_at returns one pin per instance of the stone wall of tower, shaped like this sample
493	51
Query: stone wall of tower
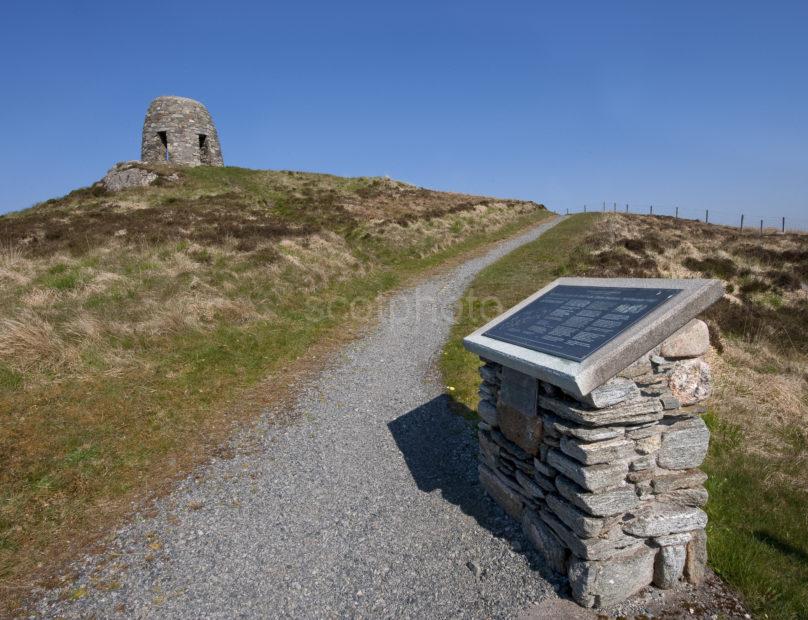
180	131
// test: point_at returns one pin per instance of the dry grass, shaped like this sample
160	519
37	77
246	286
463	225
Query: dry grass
129	322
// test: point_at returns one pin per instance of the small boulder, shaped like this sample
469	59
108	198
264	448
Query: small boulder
692	340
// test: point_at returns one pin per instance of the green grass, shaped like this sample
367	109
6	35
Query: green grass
79	440
500	286
758	528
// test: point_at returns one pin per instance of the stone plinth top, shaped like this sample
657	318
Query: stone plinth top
555	338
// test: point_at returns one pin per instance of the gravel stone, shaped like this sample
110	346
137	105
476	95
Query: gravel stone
365	504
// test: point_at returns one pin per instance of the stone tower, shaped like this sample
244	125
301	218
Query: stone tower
180	131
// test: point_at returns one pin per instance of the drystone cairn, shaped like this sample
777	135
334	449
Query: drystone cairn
178	130
607	488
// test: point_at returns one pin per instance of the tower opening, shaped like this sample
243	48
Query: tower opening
204	150
163	135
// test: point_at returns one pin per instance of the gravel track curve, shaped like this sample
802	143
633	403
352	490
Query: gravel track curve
366	505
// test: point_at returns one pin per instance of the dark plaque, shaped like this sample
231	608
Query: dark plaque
575	321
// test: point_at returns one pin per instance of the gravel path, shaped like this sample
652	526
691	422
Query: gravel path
367	505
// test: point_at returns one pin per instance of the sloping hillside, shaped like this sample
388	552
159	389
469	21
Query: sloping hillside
129	321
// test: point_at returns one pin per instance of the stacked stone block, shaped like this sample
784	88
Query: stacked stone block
179	130
607	487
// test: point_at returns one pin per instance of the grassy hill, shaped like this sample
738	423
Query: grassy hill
758	460
132	323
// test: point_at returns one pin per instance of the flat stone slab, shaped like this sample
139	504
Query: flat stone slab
663	519
581	378
602	504
640	410
590	477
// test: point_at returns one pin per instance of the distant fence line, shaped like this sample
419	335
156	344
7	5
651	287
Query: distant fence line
742	221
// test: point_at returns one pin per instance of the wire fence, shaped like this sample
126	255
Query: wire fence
756	222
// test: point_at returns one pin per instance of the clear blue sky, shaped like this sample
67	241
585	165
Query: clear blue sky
697	104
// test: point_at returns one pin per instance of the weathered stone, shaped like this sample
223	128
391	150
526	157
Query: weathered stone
690	381
553	551
668	567
128	174
667	482
528	484
640	476
612	392
696	557
590	477
510	501
697	496
518	410
648	445
603	504
180	131
660	519
509	446
643	463
643	431
490	373
669	402
601	584
637	368
597	452
682	538
609	543
542	469
692	340
487	412
584	433
487	391
484	426
580	523
630	412
684	444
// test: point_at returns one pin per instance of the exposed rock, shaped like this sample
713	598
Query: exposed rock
518	410
630	412
667	482
597	452
530	487
696	558
509	446
553	551
487	412
661	519
692	340
590	477
506	497
609	543
697	496
601	433
682	538
601	584
648	445
490	373
582	524
669	402
668	566
684	444
643	463
128	174
690	381
614	391
603	504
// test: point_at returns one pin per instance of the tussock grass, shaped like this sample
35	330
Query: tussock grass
132	323
758	460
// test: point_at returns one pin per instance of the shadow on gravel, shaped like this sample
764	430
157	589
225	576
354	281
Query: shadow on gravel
440	448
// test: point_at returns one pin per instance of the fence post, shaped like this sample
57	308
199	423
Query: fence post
568	210
626	207
761	228
651	210
584	208
604	206
784	224
706	216
741	229
614	208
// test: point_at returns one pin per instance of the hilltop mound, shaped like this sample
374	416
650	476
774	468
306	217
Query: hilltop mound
221	205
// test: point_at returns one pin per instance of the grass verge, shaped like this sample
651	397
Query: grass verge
758	459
